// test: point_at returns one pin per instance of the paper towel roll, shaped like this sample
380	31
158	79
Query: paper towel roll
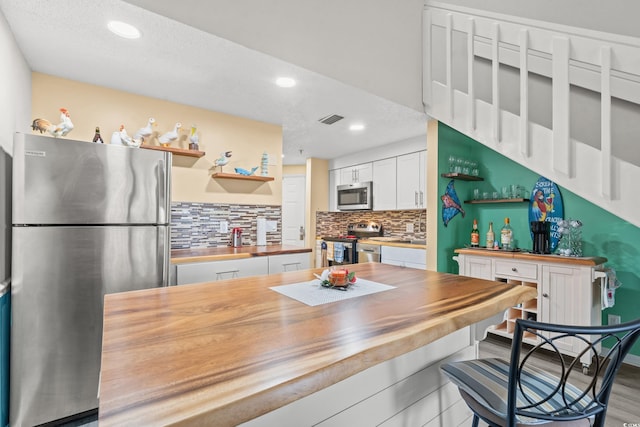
261	232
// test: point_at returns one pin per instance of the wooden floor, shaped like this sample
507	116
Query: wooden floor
624	403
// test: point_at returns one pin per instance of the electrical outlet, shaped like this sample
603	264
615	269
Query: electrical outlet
409	227
613	320
224	227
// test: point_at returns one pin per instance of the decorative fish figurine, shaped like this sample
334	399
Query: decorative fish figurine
245	172
450	204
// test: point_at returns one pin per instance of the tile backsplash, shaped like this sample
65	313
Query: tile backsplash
197	225
394	223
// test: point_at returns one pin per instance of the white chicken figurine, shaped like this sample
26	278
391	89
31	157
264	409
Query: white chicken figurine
223	160
144	133
193	137
62	129
170	136
121	137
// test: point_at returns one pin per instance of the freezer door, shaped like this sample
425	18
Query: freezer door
59	181
60	277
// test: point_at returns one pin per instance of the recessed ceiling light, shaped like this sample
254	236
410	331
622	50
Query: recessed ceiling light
356	126
285	82
123	29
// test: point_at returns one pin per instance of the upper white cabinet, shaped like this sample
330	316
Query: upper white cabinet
384	184
411	181
357	173
398	182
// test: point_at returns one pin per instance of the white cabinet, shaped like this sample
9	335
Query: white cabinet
384	184
210	271
357	173
404	257
411	181
334	181
568	292
289	262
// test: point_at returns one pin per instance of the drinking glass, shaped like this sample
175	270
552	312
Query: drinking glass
452	163
476	194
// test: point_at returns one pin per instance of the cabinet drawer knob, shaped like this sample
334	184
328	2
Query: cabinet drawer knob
546	295
514	269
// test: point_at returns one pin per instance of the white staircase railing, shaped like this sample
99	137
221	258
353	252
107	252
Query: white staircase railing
605	65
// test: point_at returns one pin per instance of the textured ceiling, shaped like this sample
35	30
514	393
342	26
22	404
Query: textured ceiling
176	62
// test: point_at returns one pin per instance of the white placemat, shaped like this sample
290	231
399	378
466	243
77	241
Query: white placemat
313	293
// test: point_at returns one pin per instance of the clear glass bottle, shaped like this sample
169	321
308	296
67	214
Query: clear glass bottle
506	235
491	237
475	235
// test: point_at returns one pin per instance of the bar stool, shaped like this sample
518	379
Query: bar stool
515	393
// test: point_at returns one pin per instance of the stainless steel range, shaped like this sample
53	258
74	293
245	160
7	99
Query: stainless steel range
342	249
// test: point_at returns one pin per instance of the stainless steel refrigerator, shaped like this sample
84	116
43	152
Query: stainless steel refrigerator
88	220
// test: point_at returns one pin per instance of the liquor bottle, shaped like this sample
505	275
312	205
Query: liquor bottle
97	138
506	235
475	235
491	237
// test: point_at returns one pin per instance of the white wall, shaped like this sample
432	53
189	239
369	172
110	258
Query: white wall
398	148
374	45
611	16
15	106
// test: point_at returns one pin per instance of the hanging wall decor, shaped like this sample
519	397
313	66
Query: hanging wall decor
450	204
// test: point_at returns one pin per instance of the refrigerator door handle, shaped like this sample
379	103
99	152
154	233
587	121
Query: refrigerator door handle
163	212
164	241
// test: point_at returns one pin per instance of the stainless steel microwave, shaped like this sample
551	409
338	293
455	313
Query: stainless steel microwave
353	197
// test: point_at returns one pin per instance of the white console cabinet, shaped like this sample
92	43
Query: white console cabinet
568	291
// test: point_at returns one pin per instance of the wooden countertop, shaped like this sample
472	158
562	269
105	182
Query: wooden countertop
219	253
226	352
526	256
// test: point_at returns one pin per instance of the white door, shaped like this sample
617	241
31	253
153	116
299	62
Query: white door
293	201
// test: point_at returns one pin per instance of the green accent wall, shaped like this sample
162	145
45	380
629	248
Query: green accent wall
603	233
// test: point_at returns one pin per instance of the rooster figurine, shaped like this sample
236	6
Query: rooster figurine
62	129
193	137
223	160
143	133
170	136
121	137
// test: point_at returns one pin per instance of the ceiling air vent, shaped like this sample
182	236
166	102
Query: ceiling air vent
331	119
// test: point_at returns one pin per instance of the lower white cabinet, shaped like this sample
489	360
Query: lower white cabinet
568	291
404	257
289	262
211	271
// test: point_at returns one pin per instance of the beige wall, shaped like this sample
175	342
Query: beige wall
433	198
294	170
92	106
317	197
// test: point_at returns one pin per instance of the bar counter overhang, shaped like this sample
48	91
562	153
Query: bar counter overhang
226	352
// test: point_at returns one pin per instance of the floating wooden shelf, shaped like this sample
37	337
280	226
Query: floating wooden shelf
222	175
461	176
473	202
176	151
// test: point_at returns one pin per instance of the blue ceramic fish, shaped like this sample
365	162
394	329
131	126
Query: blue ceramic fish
450	204
245	172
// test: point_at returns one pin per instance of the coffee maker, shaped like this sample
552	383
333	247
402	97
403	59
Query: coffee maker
541	237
